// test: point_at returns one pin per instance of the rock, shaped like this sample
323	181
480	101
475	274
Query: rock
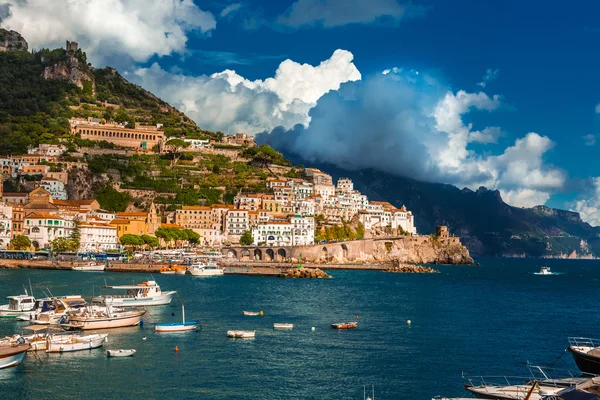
12	41
306	273
415	269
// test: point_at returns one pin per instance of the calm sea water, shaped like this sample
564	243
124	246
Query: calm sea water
482	320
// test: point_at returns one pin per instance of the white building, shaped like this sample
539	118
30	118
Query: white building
6	216
377	216
303	230
297	231
236	223
55	187
198	143
325	191
103	215
344	185
97	237
302	190
45	149
43	228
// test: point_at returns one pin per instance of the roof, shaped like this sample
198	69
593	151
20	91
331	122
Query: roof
119	222
14	194
43	216
48	178
219	206
171	226
195	208
132	214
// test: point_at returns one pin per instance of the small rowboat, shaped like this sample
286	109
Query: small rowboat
283	326
250	313
241	334
120	353
177	326
345	325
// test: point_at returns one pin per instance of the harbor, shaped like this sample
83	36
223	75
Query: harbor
451	310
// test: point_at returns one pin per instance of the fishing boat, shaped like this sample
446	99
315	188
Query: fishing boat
241	334
17	305
251	313
202	269
144	294
120	353
101	319
586	354
544	271
75	342
36	336
89	267
345	325
60	306
283	326
12	355
177	326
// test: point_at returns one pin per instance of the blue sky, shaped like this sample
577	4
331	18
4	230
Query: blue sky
541	57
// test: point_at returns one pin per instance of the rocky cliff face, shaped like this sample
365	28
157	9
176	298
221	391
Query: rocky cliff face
12	41
425	250
80	184
71	71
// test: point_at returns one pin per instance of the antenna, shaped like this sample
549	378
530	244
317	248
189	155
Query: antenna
30	288
51	295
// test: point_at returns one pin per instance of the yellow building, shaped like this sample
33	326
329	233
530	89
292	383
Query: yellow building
137	223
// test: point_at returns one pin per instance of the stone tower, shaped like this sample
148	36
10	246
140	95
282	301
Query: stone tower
153	221
72	46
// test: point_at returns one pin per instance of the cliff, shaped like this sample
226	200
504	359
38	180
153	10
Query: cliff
12	41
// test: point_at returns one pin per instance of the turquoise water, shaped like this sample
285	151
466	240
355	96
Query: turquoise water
483	320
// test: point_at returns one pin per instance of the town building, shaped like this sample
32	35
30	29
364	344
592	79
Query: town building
35	169
137	223
236	224
6	225
142	137
239	139
43	228
97	236
55	187
46	149
294	231
198	143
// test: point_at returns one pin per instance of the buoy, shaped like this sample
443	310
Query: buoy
313	329
173	314
408	321
144	338
261	313
176	349
357	317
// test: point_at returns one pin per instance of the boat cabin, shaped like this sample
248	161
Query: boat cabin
20	303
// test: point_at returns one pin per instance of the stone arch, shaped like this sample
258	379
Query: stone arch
35	244
246	254
231	253
270	256
345	252
281	255
35	229
324	253
257	255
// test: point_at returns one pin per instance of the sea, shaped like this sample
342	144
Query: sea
495	319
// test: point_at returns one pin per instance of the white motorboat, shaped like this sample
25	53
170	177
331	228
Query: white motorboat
251	313
75	342
283	326
144	294
12	355
101	319
51	313
120	353
544	271
241	334
177	326
17	305
202	269
89	267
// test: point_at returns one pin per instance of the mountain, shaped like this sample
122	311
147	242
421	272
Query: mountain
486	224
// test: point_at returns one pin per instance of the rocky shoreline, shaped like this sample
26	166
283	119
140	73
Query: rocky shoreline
305	273
411	269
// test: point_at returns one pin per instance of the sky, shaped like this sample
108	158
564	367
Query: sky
498	93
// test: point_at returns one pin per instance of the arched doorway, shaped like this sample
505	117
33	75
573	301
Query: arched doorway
257	255
281	255
324	253
270	255
246	254
345	252
231	253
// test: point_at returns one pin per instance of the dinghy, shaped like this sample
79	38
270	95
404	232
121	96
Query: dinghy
345	325
251	313
283	326
241	334
177	326
120	353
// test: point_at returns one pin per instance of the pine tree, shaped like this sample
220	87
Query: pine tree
76	233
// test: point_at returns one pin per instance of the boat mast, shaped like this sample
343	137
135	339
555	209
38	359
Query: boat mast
30	288
183	312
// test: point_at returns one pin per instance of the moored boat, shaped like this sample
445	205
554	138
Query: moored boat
177	326
167	270
51	314
345	325
283	326
241	334
17	305
251	313
75	342
120	353
144	294
89	267
102	319
586	354
12	355
201	269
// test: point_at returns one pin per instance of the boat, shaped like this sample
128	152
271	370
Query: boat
17	305
144	294
36	336
586	354
57	309
283	326
544	271
177	326
120	353
203	269
167	270
101	319
345	325
12	355
180	270
241	334
89	267
251	313
75	342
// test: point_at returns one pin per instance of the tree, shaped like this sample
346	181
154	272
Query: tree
20	242
174	146
112	200
75	237
192	237
61	244
130	240
246	239
150	241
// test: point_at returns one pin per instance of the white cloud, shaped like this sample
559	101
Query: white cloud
232	8
487	135
598	108
228	102
490	75
589	209
331	13
109	29
524	197
589	140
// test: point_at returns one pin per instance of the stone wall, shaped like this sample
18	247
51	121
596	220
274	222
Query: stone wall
420	250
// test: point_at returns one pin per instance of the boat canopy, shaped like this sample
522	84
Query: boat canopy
35	328
128	287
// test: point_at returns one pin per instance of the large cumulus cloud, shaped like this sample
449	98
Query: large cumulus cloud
409	124
109	30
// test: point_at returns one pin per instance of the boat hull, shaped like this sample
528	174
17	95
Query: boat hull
120	353
206	272
585	362
82	343
96	268
104	323
175	327
345	325
283	326
241	334
11	356
158	300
